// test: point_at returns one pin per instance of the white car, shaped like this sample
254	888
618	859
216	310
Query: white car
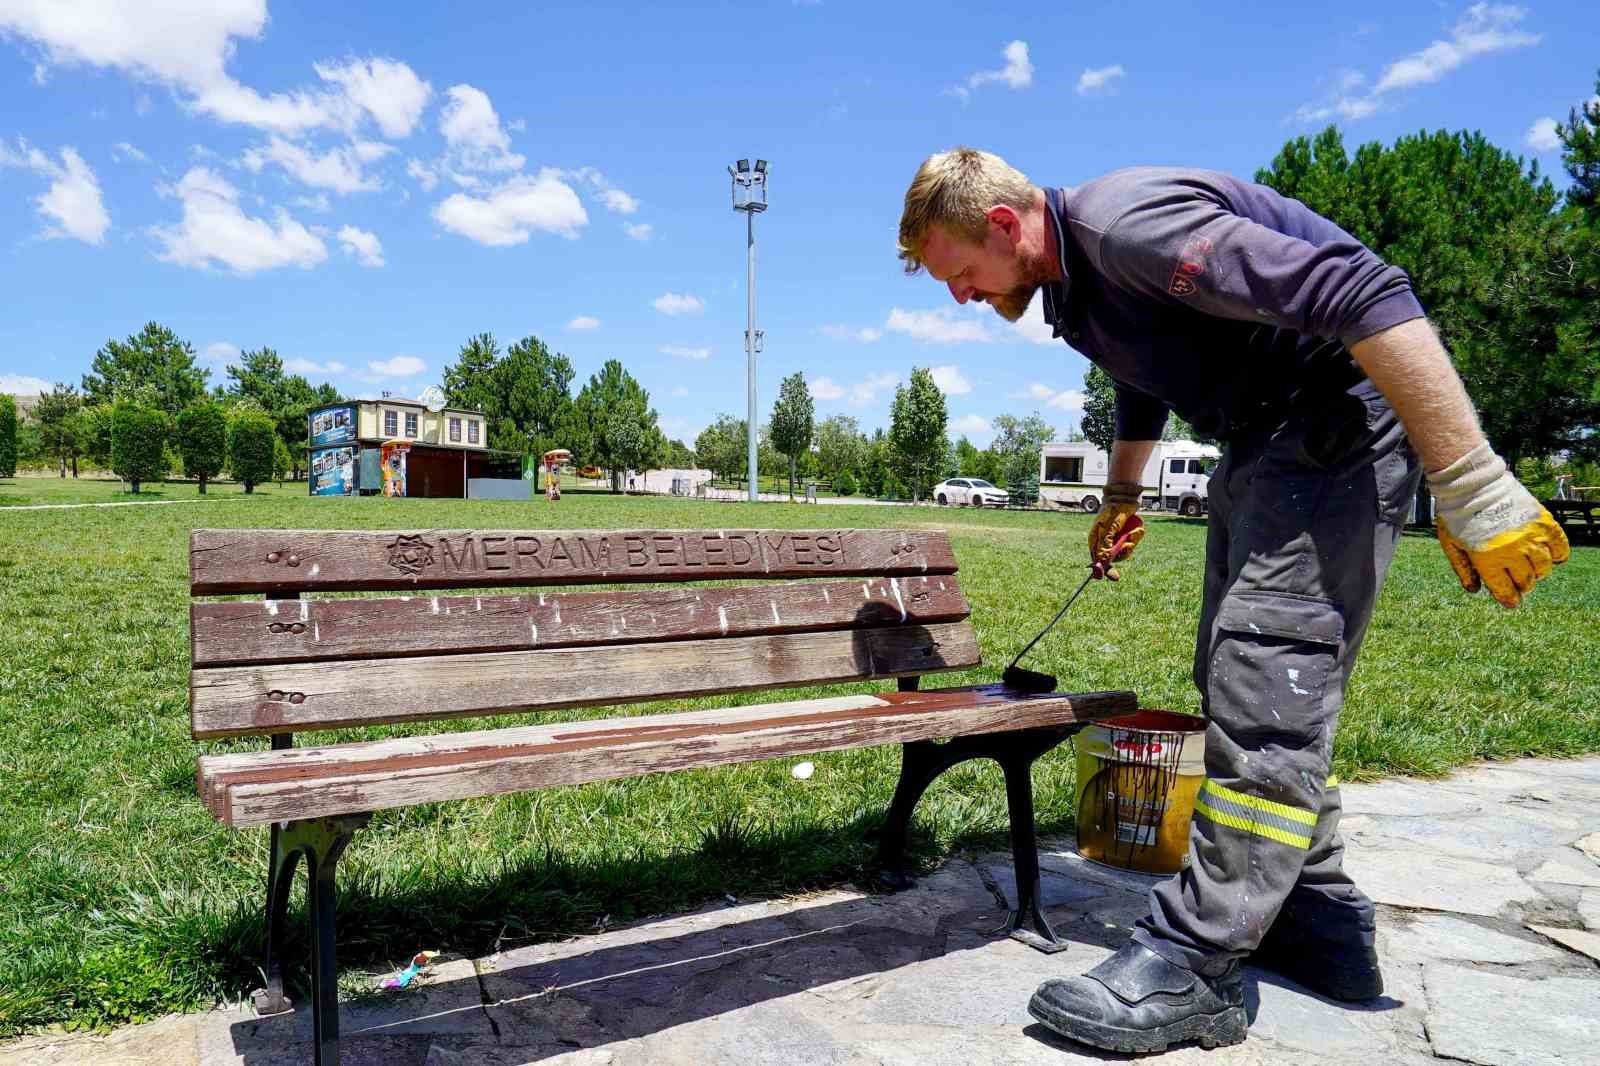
972	491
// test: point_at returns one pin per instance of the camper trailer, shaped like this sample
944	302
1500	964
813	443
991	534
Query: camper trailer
1073	474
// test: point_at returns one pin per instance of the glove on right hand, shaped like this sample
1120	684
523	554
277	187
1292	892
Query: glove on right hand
1121	503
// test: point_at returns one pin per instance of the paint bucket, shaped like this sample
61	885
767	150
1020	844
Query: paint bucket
1138	776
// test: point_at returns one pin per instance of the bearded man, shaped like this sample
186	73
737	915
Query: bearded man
1264	325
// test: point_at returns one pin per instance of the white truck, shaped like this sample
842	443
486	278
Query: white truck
1073	474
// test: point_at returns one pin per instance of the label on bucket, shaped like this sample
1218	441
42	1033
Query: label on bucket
1137	834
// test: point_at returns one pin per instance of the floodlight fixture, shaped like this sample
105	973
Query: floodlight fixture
761	167
744	166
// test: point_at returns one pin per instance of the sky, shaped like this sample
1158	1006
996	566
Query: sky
363	186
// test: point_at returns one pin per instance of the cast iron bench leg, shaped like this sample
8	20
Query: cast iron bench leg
922	761
320	841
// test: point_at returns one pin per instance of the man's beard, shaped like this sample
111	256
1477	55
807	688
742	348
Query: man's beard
1012	304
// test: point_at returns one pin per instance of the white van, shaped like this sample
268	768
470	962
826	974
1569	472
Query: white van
1073	474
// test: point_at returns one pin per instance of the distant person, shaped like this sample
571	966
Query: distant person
1270	328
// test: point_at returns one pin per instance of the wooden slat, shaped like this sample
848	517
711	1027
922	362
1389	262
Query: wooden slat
258	788
272	631
236	700
284	560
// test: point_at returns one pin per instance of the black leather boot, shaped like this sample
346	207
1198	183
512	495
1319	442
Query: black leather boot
1137	1002
1328	947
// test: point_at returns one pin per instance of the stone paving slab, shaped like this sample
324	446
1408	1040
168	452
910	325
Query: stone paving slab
1487	919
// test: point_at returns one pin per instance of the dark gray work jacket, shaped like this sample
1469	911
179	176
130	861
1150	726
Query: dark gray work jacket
1213	297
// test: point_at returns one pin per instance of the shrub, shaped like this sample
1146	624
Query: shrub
282	460
8	436
844	484
203	440
251	434
138	443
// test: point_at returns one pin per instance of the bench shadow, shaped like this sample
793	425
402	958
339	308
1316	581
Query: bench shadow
552	999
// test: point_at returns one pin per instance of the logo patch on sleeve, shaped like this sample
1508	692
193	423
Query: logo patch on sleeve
1191	264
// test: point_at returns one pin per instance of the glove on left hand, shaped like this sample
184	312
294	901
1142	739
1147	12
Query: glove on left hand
1492	530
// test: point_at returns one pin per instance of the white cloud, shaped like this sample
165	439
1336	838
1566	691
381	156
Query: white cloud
683	352
187	46
1483	30
319	203
425	175
950	379
612	197
220	353
1061	399
825	388
361	245
386	89
1017	72
122	151
339	169
1097	78
23	385
214	230
1541	136
865	335
401	366
673	303
1032	327
307	366
472	128
972	424
512	211
866	391
584	322
639	231
72	202
936	327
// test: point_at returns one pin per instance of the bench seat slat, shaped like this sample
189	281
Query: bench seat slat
223	561
278	631
262	787
239	700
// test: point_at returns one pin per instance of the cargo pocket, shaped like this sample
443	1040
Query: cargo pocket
1270	663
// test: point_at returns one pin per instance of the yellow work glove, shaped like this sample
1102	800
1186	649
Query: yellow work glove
1492	530
1121	504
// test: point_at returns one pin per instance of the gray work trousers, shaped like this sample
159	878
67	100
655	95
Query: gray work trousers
1304	521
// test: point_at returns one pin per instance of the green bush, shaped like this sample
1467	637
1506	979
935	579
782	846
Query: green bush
282	460
251	435
8	436
203	440
138	443
844	484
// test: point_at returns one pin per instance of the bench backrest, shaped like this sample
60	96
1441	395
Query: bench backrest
888	606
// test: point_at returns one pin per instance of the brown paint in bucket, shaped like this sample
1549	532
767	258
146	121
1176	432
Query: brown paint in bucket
1138	776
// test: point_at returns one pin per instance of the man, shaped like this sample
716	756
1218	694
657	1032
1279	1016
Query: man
1267	326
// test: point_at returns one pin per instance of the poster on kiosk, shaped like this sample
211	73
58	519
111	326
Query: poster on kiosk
394	467
333	425
333	471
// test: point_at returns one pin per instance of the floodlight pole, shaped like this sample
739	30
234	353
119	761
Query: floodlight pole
750	196
750	343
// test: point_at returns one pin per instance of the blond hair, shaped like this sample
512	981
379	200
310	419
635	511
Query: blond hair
955	189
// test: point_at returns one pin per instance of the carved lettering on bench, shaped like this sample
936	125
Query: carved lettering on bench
579	554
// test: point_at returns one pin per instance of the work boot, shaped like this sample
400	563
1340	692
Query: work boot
1137	1002
1326	946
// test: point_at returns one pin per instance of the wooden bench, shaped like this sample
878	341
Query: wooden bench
889	606
1579	519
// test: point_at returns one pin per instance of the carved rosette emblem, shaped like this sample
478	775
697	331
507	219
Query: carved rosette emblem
410	554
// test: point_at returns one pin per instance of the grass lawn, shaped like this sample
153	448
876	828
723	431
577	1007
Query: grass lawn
40	489
121	898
